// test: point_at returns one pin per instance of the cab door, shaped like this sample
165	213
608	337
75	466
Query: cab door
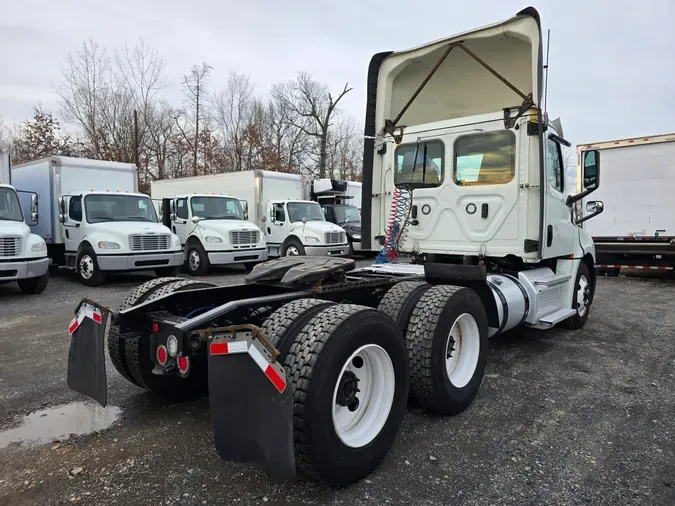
72	226
559	233
182	226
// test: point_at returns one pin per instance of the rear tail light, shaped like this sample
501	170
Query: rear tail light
162	355
183	364
155	327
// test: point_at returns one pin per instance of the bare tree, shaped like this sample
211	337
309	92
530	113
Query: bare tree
194	86
312	106
234	111
40	137
83	91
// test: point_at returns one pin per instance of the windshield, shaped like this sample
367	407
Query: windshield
102	208
346	214
10	209
299	210
216	208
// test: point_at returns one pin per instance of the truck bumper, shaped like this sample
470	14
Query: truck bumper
23	270
237	257
139	262
356	245
336	250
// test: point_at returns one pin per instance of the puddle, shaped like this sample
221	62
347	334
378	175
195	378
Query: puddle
59	423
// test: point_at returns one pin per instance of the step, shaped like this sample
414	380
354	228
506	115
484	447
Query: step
552	281
557	316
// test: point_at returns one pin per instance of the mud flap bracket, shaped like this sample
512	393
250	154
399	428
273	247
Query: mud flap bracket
86	357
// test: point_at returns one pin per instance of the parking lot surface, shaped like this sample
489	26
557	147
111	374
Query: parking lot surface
562	417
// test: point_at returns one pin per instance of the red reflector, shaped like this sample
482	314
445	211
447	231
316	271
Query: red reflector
274	377
183	364
219	349
155	327
162	355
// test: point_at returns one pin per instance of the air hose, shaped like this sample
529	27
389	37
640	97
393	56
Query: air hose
401	204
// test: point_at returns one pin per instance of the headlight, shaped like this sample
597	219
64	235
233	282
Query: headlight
108	245
40	246
176	241
311	239
356	237
172	345
212	238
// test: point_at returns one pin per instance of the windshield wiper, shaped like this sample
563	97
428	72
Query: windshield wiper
135	218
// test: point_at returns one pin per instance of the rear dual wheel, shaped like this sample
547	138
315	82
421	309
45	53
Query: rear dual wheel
446	334
348	369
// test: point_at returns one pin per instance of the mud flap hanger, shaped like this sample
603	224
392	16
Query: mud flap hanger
391	126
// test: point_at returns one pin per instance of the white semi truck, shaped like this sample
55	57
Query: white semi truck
23	255
94	220
279	205
318	358
213	228
637	229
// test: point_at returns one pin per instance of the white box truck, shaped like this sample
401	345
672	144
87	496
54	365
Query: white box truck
637	228
23	256
94	220
279	205
213	228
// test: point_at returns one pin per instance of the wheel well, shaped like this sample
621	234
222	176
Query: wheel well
588	260
290	239
193	240
84	245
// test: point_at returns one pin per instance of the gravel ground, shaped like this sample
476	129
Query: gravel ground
563	417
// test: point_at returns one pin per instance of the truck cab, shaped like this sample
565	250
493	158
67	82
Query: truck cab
23	255
105	231
299	227
214	230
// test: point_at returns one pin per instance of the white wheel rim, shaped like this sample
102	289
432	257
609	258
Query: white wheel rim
194	260
292	251
582	304
86	267
358	426
462	350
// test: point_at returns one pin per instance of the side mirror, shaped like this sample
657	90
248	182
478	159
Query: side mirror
304	220
594	207
63	215
590	176
172	216
34	207
590	171
195	219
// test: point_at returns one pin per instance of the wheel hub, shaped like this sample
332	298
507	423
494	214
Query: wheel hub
346	394
194	260
86	267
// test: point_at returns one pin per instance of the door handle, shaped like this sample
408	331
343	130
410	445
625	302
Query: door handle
484	211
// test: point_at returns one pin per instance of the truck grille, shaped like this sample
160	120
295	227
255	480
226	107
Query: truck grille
335	238
139	242
10	246
239	237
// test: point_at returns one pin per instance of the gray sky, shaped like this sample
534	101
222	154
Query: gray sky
612	72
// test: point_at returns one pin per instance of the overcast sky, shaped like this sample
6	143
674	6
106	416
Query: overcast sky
611	76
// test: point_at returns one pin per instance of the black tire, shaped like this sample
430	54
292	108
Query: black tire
203	266
33	286
117	343
314	364
164	272
427	340
613	273
97	277
577	321
250	265
350	249
292	243
400	300
140	363
285	323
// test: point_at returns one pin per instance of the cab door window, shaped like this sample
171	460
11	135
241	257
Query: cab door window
556	173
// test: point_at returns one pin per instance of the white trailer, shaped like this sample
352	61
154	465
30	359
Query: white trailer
23	256
279	205
637	228
94	220
213	228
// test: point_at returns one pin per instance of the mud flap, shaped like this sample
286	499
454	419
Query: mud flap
86	357
251	406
